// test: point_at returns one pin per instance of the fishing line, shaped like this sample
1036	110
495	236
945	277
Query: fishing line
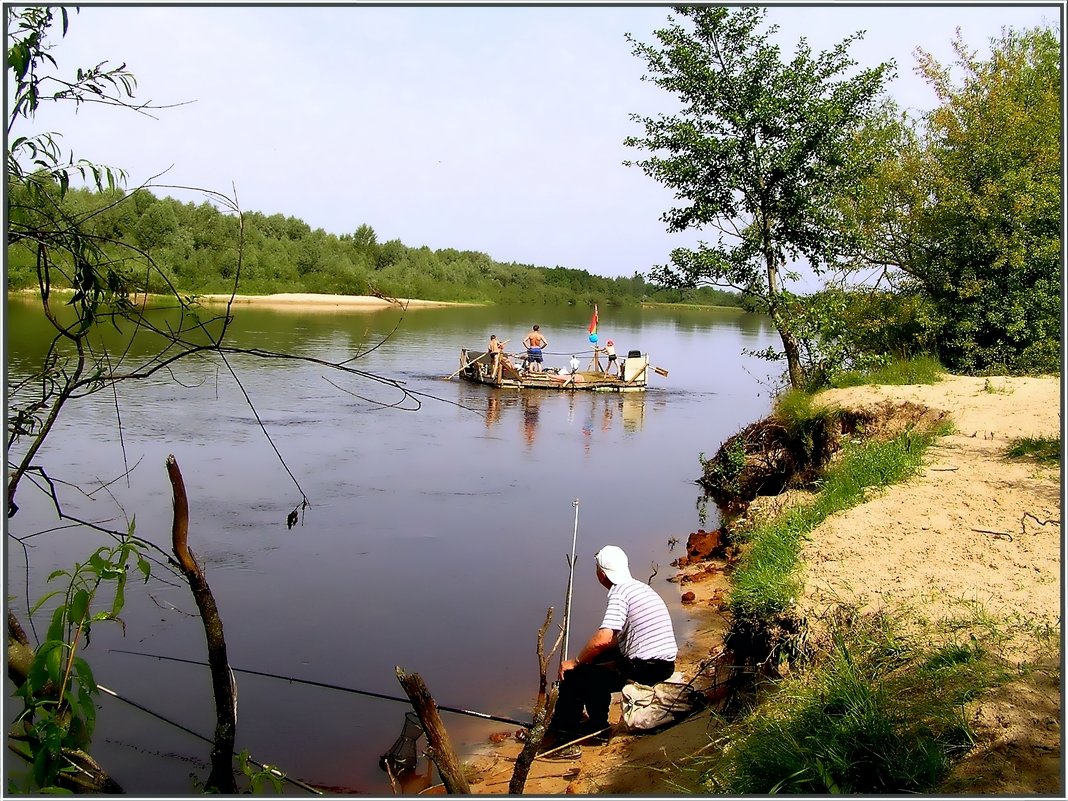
295	680
198	735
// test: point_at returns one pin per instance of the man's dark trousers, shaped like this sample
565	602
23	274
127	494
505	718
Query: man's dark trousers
591	686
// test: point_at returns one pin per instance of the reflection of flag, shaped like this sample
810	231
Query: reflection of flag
593	322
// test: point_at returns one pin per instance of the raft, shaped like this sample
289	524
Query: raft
476	366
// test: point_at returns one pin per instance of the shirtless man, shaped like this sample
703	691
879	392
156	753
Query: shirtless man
496	351
534	342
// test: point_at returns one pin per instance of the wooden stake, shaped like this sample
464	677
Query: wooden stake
440	749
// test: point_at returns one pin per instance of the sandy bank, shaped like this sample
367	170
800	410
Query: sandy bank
311	300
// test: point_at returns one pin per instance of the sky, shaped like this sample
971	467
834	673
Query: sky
490	128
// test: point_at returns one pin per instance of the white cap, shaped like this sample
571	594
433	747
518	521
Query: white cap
614	564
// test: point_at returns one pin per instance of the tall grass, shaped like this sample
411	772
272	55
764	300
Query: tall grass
921	369
877	711
766	582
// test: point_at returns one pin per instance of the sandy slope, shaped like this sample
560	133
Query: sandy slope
971	526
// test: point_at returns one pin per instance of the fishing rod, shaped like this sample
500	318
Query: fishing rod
187	730
570	584
292	679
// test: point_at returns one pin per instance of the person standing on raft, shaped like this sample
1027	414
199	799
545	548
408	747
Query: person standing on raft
534	342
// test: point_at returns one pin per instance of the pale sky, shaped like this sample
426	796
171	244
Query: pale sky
490	128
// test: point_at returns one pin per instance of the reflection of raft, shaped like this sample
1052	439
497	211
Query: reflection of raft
477	366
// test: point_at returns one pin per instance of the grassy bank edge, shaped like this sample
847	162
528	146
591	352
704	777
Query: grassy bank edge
872	707
766	581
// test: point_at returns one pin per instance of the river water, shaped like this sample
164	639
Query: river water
435	539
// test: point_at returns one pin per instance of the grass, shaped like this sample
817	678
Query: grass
766	582
1046	450
875	711
921	369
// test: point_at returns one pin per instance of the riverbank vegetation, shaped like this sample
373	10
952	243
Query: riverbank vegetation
194	248
872	707
852	702
836	456
849	701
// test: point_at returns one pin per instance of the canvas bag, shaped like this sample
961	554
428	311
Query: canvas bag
647	707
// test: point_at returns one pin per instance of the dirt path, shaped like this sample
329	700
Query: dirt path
972	527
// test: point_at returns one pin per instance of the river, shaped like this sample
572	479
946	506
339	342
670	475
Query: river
435	539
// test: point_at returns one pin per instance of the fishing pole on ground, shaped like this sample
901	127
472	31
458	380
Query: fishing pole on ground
295	680
187	730
570	584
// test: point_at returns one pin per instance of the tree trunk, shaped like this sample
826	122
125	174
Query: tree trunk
542	715
778	317
221	779
440	749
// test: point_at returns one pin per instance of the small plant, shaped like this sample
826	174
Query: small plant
1042	449
259	776
58	712
990	389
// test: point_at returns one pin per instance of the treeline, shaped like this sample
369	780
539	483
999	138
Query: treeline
195	248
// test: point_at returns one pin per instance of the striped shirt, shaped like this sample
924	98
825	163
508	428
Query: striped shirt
640	619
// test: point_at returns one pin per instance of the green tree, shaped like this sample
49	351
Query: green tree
156	227
758	152
965	208
365	237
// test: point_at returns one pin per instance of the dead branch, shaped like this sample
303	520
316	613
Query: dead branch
543	658
1023	521
1002	534
542	715
440	748
221	779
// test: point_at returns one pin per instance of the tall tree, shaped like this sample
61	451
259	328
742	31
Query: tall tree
965	207
758	151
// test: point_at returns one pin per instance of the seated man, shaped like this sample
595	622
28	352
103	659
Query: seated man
636	642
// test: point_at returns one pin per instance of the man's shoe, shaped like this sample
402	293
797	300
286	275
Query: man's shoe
567	753
597	734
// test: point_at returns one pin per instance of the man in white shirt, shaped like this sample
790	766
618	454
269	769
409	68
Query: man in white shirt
635	642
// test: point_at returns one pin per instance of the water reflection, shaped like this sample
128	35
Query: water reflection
391	532
600	413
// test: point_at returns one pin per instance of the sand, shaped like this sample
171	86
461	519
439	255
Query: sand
972	527
310	300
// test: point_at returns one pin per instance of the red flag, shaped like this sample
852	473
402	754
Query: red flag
593	322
